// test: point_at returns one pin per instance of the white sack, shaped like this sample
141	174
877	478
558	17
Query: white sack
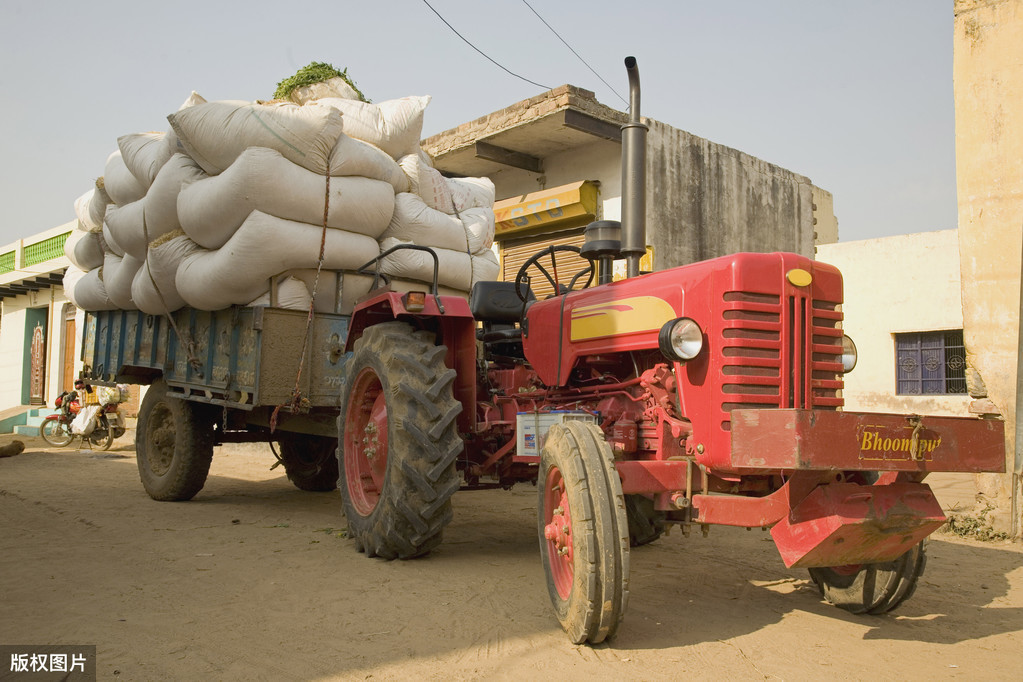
110	244
332	87
291	293
414	221
154	289
472	231
84	249
144	154
97	208
239	271
161	202
86	290
124	224
427	183
355	157
118	274
394	125
469	193
455	266
84	422
137	224
479	228
82	204
262	180
485	267
215	133
171	138
122	187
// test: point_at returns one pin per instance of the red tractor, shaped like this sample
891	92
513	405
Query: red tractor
705	394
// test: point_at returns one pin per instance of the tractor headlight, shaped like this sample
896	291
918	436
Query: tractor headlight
848	354
680	339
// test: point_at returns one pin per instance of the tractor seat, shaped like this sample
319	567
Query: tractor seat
499	309
496	302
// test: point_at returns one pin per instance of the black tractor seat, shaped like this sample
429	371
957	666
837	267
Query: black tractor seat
499	309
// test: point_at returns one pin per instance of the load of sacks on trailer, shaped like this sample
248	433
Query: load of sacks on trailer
236	193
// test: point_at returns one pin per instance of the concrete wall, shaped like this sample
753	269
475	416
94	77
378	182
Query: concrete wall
706	200
703	199
988	77
908	283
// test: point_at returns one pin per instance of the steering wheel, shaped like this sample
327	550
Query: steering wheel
522	291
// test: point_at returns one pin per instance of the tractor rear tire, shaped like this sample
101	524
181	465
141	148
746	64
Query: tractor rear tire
872	588
309	461
173	445
398	442
646	524
584	532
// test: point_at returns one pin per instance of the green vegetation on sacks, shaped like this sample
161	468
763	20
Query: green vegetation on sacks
316	72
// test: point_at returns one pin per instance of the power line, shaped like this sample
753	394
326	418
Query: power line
573	51
481	51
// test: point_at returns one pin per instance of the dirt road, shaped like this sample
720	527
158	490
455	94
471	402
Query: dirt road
252	580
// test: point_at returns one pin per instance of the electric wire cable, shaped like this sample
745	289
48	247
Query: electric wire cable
466	41
524	2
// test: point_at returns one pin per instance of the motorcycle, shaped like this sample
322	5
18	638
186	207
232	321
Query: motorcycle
56	428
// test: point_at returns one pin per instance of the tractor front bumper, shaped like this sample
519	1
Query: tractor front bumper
825	440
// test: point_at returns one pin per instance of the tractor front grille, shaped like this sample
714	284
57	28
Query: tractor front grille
779	352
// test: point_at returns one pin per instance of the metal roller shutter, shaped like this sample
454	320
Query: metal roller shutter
516	252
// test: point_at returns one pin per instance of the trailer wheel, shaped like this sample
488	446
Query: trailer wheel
173	445
310	461
584	535
872	588
398	442
646	524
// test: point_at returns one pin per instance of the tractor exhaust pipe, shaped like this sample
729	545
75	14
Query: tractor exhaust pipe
633	177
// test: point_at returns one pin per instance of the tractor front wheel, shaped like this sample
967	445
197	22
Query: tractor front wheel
398	442
872	588
584	532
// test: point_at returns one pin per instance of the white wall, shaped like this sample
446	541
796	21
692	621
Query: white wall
908	283
600	161
13	352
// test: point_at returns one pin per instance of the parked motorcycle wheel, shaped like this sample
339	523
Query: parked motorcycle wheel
55	432
102	437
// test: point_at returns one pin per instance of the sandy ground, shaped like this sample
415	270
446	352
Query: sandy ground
253	580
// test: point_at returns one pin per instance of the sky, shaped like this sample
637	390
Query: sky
857	96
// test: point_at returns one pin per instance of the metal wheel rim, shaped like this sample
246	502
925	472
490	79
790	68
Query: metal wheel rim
365	445
58	433
160	438
557	517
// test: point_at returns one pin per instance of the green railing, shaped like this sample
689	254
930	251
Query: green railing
6	262
48	249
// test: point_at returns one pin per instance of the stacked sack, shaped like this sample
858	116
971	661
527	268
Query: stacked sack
235	193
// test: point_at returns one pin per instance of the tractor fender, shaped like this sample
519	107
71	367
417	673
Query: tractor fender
448	317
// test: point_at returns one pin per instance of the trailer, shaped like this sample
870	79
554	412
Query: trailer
243	374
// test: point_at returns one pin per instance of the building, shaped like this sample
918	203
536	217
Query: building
988	79
903	309
38	327
555	160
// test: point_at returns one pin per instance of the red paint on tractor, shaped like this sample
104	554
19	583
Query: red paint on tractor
845	523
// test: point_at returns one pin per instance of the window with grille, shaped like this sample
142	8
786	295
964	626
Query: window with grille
930	363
